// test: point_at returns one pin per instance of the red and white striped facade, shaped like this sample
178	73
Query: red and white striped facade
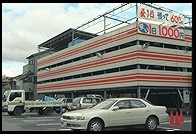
122	57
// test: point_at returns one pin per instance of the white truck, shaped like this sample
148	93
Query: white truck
15	104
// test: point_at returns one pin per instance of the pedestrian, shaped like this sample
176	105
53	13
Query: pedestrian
62	111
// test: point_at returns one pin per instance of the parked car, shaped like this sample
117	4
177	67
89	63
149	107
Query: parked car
95	96
115	112
66	104
85	102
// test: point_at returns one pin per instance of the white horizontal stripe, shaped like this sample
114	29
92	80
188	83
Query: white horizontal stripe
38	120
171	129
65	129
49	124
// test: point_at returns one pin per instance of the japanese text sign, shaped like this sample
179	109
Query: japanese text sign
161	16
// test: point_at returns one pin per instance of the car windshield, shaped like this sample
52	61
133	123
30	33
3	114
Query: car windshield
5	95
76	100
105	104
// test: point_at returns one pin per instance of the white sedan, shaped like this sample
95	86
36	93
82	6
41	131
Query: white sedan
116	112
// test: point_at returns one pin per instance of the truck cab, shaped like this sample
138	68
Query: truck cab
16	95
14	101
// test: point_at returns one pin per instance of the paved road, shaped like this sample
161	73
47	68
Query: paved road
35	122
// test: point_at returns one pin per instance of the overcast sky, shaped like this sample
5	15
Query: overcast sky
26	25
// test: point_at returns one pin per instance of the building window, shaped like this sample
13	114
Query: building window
112	70
86	74
111	49
98	72
30	61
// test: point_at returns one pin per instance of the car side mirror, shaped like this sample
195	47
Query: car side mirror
115	108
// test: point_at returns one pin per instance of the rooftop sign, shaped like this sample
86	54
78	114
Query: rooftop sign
160	15
161	31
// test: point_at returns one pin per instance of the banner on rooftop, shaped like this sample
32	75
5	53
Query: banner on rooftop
160	16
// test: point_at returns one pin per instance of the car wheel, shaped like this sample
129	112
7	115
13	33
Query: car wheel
48	111
17	111
95	125
151	123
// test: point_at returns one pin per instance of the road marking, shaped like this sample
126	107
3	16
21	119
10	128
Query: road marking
46	117
188	121
173	130
28	117
38	120
176	129
170	129
49	124
64	129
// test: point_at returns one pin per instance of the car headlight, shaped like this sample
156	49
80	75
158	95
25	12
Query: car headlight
77	117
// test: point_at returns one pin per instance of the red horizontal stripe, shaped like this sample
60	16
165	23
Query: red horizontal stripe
59	56
132	80
164	56
115	59
186	35
112	82
188	38
87	65
163	37
117	79
89	46
94	46
70	84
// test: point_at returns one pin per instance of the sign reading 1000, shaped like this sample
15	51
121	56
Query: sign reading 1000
159	30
